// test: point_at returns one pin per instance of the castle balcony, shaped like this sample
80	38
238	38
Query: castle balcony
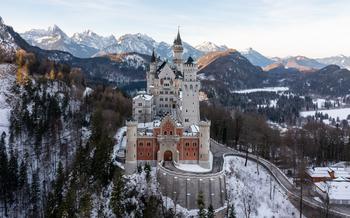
168	139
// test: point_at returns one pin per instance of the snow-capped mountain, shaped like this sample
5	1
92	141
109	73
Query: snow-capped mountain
8	46
144	44
93	40
210	47
340	60
256	58
55	39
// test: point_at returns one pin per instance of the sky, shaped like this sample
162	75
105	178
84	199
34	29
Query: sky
314	28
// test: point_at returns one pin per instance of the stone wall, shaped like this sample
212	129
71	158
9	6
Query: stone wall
183	188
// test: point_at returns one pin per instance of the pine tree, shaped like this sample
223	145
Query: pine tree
3	173
211	211
35	194
232	212
23	175
201	205
12	175
118	196
55	198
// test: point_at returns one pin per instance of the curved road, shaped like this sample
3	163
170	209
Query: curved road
221	150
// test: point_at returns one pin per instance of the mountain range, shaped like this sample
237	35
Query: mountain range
89	44
226	70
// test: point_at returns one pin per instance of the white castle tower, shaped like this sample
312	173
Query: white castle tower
190	94
204	144
151	73
177	52
131	149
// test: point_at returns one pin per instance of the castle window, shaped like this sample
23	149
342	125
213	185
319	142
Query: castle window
194	144
194	153
149	154
140	154
186	153
140	104
148	144
141	144
171	132
165	133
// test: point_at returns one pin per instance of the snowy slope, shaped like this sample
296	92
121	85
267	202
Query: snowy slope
256	58
210	47
260	190
144	44
8	47
6	80
93	40
340	60
55	39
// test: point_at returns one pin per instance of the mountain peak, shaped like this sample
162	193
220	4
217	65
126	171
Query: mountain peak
208	46
256	58
57	31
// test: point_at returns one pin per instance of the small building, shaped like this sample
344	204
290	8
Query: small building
336	190
322	174
142	107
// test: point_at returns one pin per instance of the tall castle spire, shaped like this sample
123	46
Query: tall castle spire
177	50
177	40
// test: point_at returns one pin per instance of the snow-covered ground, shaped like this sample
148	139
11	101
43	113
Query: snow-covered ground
266	89
342	113
195	167
260	191
6	80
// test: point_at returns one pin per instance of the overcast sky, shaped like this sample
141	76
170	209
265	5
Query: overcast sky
313	28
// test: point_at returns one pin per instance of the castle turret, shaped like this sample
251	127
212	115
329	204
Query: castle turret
151	73
177	51
204	144
131	149
190	94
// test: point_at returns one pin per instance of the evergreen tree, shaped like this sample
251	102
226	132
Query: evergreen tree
55	198
201	205
35	194
3	173
232	212
12	175
211	211
103	144
23	175
118	196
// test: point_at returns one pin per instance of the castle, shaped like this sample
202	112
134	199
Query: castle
166	125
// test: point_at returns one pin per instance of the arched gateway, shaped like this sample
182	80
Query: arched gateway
168	156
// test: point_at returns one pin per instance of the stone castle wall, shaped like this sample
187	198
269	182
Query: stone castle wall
183	188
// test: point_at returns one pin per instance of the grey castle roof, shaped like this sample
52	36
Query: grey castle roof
178	73
189	60
153	57
178	40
